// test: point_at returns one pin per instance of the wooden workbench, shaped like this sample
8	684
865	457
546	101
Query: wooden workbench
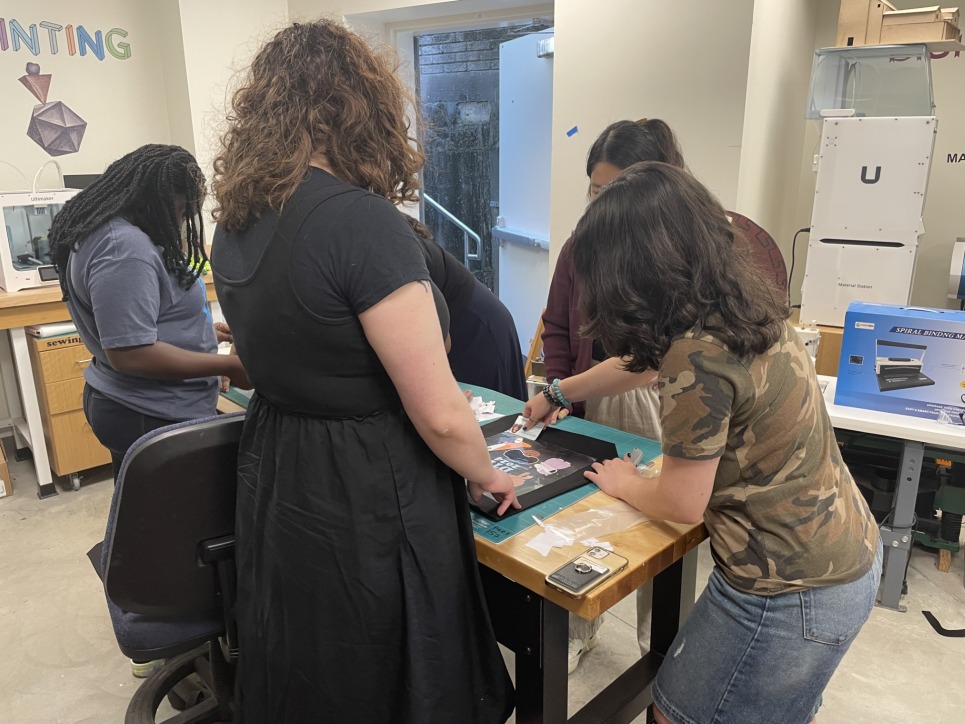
531	618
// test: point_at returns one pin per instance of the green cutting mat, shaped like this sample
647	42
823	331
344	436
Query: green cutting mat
498	531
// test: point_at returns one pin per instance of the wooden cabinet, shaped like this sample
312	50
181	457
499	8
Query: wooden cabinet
58	366
829	349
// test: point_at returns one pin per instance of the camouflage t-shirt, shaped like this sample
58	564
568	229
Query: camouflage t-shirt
785	514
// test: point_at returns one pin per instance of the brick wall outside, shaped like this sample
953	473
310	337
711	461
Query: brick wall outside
458	84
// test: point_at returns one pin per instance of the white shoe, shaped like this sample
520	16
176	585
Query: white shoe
143	669
576	648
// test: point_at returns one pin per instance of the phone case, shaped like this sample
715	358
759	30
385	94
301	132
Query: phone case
586	571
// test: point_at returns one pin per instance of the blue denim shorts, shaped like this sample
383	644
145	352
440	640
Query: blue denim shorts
747	659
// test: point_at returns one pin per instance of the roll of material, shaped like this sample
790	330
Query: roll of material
51	330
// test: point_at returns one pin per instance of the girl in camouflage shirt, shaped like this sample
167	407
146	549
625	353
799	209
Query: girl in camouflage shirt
748	449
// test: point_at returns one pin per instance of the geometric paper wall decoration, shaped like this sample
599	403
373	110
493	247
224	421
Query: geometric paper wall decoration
53	126
56	128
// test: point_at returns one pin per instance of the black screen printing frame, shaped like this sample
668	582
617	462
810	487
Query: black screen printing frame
599	450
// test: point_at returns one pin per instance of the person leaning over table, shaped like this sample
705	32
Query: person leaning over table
483	342
359	595
748	449
567	352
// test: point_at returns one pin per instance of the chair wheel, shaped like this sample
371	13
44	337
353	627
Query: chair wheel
149	695
187	693
75	482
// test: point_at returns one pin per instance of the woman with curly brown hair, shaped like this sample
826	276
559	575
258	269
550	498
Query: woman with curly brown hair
359	597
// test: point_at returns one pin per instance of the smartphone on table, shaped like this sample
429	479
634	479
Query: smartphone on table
587	571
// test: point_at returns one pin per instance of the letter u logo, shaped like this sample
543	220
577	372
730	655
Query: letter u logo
864	175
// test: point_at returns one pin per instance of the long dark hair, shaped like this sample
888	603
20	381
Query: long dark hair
143	187
625	143
314	88
655	256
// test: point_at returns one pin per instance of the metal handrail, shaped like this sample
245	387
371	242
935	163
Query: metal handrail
466	231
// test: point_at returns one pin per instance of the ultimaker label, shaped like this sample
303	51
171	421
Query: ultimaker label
959	336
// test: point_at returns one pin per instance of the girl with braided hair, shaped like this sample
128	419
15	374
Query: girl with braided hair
129	250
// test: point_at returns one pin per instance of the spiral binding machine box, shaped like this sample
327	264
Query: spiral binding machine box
904	360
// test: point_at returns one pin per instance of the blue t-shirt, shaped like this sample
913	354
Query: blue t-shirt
121	295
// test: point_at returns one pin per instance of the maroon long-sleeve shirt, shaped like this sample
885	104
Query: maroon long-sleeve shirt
567	353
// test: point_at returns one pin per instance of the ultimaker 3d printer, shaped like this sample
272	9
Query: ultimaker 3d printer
25	260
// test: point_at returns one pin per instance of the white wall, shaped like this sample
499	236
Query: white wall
782	46
634	58
167	26
219	38
945	199
799	216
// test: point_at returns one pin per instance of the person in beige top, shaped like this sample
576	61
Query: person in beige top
748	449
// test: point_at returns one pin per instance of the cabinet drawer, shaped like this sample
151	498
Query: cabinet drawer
72	445
65	396
66	363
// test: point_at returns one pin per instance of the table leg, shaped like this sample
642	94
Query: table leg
8	372
673	598
541	676
536	631
33	429
897	536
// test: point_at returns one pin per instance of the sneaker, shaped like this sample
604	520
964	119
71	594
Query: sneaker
576	648
143	669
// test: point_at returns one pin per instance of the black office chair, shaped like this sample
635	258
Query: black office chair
167	562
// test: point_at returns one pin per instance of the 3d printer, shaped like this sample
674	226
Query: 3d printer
876	107
25	260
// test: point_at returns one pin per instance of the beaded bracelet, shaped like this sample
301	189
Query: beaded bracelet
558	393
547	393
556	398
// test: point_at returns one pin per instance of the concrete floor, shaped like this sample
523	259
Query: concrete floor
59	661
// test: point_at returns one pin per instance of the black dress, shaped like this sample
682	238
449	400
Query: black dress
359	599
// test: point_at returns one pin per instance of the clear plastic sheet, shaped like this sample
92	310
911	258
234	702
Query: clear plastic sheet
586	527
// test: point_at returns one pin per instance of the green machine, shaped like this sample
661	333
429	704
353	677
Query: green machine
944	534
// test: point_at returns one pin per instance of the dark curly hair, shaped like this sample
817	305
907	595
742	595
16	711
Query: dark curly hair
144	187
656	256
315	88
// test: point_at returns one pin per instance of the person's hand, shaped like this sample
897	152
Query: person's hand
500	487
236	373
612	476
223	333
538	409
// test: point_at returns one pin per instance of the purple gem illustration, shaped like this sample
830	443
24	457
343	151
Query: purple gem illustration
53	126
